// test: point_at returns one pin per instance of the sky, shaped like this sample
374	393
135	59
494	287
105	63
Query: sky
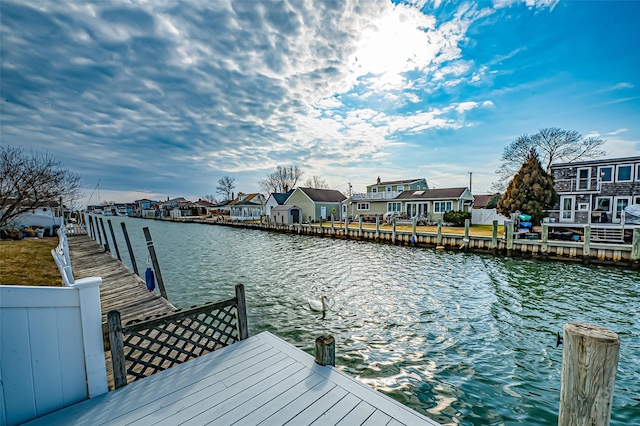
157	99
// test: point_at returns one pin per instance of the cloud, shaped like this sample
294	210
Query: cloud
617	132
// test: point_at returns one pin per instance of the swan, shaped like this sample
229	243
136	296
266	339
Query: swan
318	305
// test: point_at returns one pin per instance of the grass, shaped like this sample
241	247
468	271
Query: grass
29	262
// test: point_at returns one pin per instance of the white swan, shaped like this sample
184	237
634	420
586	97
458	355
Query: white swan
318	305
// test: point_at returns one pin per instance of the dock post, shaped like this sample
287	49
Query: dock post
415	226
113	238
241	311
88	224
154	261
635	244
360	227
494	235
377	226
465	241
104	234
545	238
589	364
586	247
93	231
509	237
346	226
326	350
393	230
131	256
333	225
117	349
439	240
321	227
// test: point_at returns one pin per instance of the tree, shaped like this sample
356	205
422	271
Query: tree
281	180
493	202
530	191
316	182
32	180
553	144
210	198
225	186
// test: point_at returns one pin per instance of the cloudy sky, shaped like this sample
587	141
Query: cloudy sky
163	98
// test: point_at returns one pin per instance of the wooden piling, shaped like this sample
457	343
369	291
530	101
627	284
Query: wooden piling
321	227
104	234
113	238
243	326
545	238
116	346
377	226
465	241
393	230
415	226
360	227
586	246
325	350
510	236
129	248
333	225
589	365
439	238
494	235
635	244
154	261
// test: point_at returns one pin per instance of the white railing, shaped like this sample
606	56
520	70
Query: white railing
63	260
376	195
52	353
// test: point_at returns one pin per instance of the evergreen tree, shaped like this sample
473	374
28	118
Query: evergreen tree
530	191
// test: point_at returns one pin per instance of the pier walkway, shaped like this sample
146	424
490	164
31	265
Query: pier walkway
260	380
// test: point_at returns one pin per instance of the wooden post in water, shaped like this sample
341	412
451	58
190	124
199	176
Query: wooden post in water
117	349
104	234
131	256
360	227
241	310
509	236
545	238
586	247
494	235
377	226
415	226
439	239
465	241
589	365
333	225
346	226
113	238
321	227
325	350
154	261
393	230
635	244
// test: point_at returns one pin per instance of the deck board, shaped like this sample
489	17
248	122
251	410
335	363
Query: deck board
260	380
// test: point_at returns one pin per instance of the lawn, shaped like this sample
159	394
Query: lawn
29	262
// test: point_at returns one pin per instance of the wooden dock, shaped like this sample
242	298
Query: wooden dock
121	289
260	380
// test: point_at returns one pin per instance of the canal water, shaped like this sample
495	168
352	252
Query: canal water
462	338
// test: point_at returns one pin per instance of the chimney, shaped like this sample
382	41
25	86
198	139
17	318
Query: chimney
378	181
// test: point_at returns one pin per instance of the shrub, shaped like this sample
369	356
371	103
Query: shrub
456	218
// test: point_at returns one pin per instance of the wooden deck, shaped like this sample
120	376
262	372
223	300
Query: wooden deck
260	380
121	289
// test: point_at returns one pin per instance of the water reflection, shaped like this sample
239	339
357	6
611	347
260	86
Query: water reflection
462	338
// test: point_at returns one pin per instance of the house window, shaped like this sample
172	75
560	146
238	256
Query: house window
583	206
394	207
400	188
388	189
442	206
602	204
624	173
606	173
638	172
374	190
636	200
584	175
363	206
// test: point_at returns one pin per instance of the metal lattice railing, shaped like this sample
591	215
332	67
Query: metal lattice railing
144	348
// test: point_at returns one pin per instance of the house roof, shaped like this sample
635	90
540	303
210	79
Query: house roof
603	161
437	194
323	195
397	182
280	197
284	208
203	203
480	201
247	197
246	202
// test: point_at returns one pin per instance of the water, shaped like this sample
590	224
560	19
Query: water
462	338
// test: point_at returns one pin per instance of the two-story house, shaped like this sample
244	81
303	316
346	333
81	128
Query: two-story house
596	191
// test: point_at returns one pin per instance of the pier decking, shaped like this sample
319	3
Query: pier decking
259	380
121	289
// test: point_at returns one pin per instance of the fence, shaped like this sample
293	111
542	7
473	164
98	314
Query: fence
141	349
63	260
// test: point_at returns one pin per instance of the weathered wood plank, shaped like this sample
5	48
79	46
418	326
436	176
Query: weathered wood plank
358	415
336	413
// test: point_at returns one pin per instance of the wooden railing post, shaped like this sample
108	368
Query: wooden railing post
154	261
104	234
325	350
243	325
589	365
117	349
113	238
129	248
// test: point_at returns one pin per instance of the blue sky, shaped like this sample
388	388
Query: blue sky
163	98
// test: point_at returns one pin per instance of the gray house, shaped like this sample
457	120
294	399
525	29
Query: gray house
596	191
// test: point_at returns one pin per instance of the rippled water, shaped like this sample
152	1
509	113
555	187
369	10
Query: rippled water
462	338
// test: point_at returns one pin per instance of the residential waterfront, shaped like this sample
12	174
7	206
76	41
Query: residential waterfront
462	338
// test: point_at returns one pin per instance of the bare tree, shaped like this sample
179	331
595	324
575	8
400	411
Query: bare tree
32	180
210	198
316	182
552	144
225	186
281	180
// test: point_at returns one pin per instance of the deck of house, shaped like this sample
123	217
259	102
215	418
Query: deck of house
260	380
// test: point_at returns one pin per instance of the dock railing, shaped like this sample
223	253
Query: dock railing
140	349
62	259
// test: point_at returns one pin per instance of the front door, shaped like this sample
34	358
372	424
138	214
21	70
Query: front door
295	215
323	213
619	203
566	208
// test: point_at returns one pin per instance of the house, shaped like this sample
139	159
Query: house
595	191
316	204
481	214
247	207
285	215
275	199
391	189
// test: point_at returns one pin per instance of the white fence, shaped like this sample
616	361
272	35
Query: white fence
63	260
51	351
486	217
